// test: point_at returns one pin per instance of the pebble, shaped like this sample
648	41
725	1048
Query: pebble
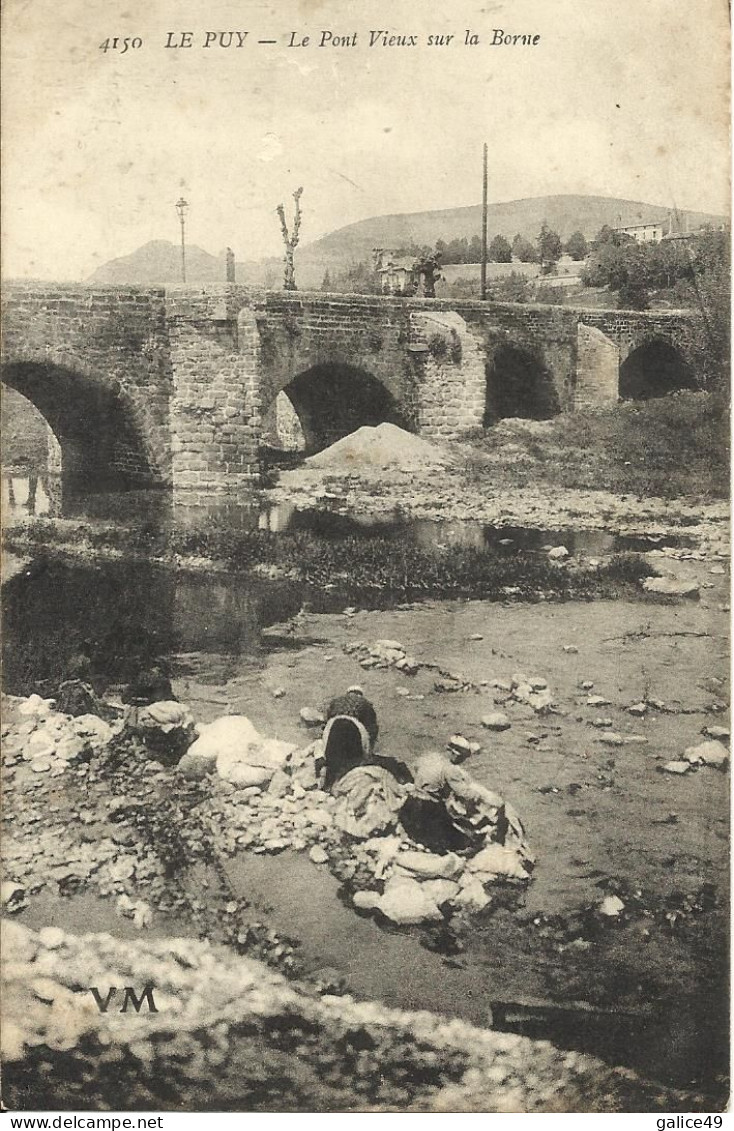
318	855
571	649
278	692
558	553
638	709
598	701
675	767
587	685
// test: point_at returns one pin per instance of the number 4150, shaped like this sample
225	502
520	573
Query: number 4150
120	44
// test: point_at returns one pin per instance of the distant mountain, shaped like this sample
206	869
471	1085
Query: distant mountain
159	262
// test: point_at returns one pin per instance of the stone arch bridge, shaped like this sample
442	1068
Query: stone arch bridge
146	386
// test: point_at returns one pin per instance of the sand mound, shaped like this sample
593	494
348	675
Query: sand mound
380	447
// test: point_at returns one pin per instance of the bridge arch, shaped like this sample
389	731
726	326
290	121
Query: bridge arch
103	443
654	368
519	383
332	399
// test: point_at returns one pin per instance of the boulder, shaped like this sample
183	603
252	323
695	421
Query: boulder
719	732
497	721
712	753
404	901
228	735
431	865
675	767
670	586
558	553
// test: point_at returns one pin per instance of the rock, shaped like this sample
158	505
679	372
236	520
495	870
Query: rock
196	766
498	860
538	684
461	746
441	891
310	717
717	569
540	701
228	735
430	864
598	701
242	775
404	901
12	896
500	684
612	906
571	649
670	586
587	685
280	784
638	709
51	937
721	733
40	765
318	855
496	721
366	900
475	636
675	767
712	753
472	895
278	692
600	722
166	716
34	705
558	553
390	646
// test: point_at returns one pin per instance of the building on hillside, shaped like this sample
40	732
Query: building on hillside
651	232
398	274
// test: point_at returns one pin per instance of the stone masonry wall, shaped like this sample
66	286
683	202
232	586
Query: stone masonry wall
452	383
597	369
111	338
215	407
197	368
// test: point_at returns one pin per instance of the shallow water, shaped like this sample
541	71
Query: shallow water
115	617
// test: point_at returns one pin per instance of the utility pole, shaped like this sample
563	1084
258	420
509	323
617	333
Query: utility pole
483	291
181	206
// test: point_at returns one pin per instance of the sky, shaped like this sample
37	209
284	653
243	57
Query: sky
627	99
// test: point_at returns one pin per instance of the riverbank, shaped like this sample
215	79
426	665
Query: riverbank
631	687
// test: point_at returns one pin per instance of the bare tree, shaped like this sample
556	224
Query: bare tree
290	240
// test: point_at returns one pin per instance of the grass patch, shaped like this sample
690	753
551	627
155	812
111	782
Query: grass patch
372	572
669	447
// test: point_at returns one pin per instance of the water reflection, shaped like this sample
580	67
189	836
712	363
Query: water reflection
103	622
30	493
163	510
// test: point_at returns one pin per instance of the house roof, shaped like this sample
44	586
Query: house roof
405	263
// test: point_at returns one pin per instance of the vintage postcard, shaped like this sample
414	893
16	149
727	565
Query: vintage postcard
365	469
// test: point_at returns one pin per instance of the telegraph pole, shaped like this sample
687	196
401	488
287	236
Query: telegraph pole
483	291
181	206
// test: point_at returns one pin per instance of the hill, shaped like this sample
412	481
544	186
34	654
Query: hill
159	262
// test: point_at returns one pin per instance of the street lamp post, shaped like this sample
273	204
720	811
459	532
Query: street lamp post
181	206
